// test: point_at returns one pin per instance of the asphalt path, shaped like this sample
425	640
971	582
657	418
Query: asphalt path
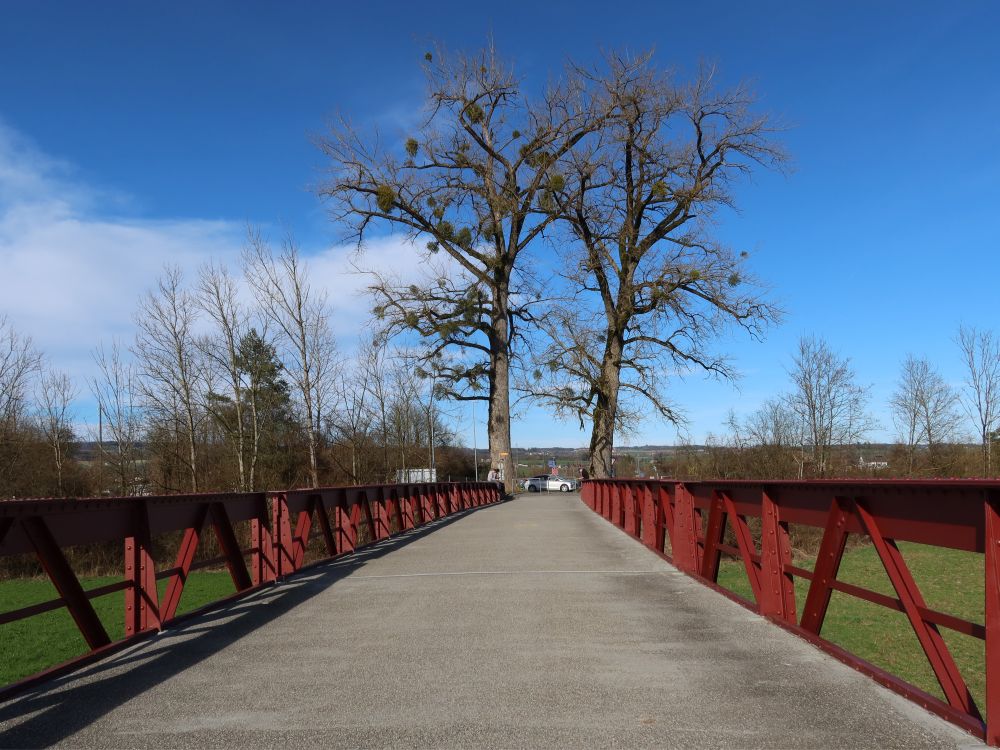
533	623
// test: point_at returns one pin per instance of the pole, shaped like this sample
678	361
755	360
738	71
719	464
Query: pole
100	449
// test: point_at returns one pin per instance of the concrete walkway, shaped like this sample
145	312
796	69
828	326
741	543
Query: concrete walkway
529	624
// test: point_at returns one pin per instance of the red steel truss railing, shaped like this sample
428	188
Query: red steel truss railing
281	525
957	514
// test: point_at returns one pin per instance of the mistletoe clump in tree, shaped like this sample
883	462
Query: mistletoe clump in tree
468	188
653	287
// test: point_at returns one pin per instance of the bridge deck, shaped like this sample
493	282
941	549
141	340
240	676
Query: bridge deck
528	624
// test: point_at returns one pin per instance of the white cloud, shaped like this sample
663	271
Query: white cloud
69	277
71	272
341	270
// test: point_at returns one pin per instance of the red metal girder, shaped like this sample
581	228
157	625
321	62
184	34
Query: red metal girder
992	524
710	556
945	670
649	518
53	604
142	606
745	543
346	529
685	538
942	513
263	559
777	594
667	494
230	547
409	517
630	510
300	539
617	509
324	525
432	501
377	495
831	552
424	498
423	501
30	611
65	581
943	619
185	556
281	525
359	514
395	509
365	509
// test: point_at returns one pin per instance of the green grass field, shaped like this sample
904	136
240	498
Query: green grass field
952	582
31	645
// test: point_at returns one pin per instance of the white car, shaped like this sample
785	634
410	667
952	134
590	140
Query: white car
550	483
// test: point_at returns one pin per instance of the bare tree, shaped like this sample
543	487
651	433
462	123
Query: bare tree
375	363
467	184
218	296
923	408
638	202
773	424
981	354
404	414
905	408
300	316
354	415
827	401
55	397
20	362
172	373
767	443
116	391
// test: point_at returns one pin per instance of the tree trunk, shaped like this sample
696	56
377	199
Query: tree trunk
602	436
498	423
192	449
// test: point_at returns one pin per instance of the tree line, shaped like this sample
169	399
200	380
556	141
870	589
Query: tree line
232	382
820	426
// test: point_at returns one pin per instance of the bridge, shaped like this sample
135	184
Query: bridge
439	616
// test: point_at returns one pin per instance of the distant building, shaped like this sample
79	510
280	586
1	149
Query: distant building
412	476
877	463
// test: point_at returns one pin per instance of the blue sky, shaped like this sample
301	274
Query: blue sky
132	134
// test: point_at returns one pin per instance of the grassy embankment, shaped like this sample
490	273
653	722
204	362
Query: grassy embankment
31	645
951	582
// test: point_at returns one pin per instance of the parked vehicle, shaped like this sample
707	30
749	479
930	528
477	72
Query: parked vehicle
550	483
537	478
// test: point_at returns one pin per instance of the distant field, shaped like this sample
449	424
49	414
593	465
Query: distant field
951	582
31	645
